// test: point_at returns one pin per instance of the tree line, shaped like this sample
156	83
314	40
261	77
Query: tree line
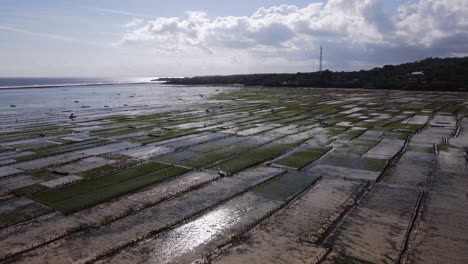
432	74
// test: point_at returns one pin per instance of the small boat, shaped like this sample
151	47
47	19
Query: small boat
12	105
85	106
77	101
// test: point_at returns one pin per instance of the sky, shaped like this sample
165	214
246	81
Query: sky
92	38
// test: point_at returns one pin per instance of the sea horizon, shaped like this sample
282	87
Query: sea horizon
44	82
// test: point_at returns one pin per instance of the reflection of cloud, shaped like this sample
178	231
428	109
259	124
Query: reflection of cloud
352	31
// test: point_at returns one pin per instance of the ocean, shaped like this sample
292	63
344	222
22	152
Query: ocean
47	97
51	82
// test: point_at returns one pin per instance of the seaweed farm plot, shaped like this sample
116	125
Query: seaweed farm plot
238	175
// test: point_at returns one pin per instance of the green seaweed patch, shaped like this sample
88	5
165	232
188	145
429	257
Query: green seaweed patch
339	119
84	194
306	122
351	134
169	134
376	124
357	147
3	149
33	146
38	134
61	149
22	214
98	171
195	160
401	135
343	259
29	190
253	157
203	161
422	149
335	130
45	175
282	187
302	158
121	118
117	132
293	120
398	126
355	162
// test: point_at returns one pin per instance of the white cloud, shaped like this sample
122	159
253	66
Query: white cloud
353	32
134	22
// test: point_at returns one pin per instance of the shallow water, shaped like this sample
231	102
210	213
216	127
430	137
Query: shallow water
98	96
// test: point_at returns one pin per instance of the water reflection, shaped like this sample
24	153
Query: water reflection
191	235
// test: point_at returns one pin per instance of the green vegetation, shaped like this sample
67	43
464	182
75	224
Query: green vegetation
336	130
159	137
3	149
400	127
402	135
351	134
282	187
29	146
336	120
371	164
357	147
302	158
88	193
45	175
253	157
342	259
448	74
122	162
205	160
98	171
29	190
428	150
121	131
22	214
33	133
47	151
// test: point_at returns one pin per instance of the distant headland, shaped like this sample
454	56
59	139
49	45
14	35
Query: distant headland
431	74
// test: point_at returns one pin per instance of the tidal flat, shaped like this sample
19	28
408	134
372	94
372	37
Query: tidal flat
195	174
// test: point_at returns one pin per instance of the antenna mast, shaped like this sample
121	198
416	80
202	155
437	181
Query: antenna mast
321	57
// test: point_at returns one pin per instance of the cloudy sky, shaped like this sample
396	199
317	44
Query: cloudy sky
190	37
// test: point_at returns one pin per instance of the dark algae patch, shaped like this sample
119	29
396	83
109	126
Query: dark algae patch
302	158
349	260
22	214
29	190
88	193
282	187
355	162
